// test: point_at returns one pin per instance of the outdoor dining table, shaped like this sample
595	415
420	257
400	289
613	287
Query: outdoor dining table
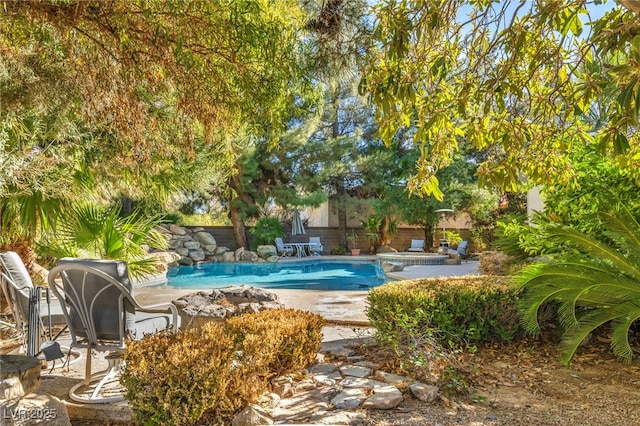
302	249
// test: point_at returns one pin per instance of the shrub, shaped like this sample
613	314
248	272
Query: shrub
214	371
456	312
338	250
267	229
495	263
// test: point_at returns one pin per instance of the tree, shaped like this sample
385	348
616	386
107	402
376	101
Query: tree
513	77
127	96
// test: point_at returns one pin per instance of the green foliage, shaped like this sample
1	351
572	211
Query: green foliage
97	232
266	230
521	92
458	313
453	238
208	374
594	283
338	250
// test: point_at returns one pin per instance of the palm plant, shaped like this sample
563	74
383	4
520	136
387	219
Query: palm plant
596	284
98	232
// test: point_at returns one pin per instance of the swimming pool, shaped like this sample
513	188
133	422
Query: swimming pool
305	275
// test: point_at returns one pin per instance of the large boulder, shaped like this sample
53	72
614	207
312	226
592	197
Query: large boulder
199	308
228	256
192	245
205	238
197	255
266	251
177	230
247	256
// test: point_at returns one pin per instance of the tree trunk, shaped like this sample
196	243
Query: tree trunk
235	210
342	212
428	237
385	231
239	228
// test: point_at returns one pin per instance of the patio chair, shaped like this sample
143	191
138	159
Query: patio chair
461	250
416	245
101	313
283	249
315	246
23	299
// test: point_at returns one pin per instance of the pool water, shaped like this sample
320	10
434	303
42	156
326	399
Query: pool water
316	275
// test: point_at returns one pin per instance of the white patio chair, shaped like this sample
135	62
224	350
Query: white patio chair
416	245
315	246
283	249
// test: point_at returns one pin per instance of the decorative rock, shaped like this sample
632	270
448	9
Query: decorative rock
360	382
166	257
384	398
201	307
355	370
269	400
221	250
228	256
247	256
272	259
182	251
186	261
19	375
177	230
238	253
368	364
196	229
253	415
192	245
266	251
205	238
425	393
392	266
338	418
174	244
324	368
393	379
197	255
349	398
211	248
321	379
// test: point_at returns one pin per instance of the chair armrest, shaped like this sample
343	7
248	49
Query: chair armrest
161	307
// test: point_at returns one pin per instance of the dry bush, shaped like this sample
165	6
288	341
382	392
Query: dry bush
214	371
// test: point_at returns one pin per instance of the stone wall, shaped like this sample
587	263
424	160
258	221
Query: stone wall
196	245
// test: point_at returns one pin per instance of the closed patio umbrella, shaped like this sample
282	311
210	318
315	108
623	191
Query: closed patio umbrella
297	228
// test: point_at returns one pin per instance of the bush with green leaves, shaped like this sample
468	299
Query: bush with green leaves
92	231
457	312
266	230
208	374
594	283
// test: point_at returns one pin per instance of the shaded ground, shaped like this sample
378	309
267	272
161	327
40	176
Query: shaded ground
524	384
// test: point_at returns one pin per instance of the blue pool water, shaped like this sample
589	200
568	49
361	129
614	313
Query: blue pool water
308	275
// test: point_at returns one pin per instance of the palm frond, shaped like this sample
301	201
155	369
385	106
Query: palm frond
596	249
586	325
627	314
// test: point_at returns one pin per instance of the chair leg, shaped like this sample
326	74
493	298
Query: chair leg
102	377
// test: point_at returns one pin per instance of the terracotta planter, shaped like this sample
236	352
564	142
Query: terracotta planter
355	252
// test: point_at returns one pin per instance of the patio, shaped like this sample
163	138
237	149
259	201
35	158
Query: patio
344	311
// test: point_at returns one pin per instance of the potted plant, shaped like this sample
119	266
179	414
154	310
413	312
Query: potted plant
353	238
